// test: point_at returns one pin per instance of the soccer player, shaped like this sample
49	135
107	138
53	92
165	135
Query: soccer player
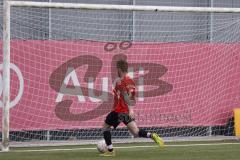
124	100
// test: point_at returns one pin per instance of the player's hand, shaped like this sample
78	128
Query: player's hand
131	114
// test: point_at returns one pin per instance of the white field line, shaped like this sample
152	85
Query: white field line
127	147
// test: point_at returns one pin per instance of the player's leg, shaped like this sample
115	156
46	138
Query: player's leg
111	120
132	127
107	136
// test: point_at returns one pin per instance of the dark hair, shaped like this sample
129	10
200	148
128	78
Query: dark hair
123	65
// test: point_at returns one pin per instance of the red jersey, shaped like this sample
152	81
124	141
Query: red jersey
125	85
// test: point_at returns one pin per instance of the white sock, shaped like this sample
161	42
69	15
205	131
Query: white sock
110	146
149	135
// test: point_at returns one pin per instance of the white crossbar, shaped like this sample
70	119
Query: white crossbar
122	7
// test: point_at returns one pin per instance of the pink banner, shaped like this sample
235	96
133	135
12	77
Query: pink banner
54	83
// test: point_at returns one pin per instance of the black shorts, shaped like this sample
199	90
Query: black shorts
114	119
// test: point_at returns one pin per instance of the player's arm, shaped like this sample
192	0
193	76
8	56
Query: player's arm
130	103
129	100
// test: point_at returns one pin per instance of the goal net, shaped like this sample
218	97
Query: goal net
186	66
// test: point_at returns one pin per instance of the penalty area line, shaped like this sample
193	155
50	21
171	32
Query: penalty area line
123	147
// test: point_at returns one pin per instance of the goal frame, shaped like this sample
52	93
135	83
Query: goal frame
6	38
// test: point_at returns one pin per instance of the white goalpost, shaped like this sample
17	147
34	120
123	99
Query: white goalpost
197	72
6	77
